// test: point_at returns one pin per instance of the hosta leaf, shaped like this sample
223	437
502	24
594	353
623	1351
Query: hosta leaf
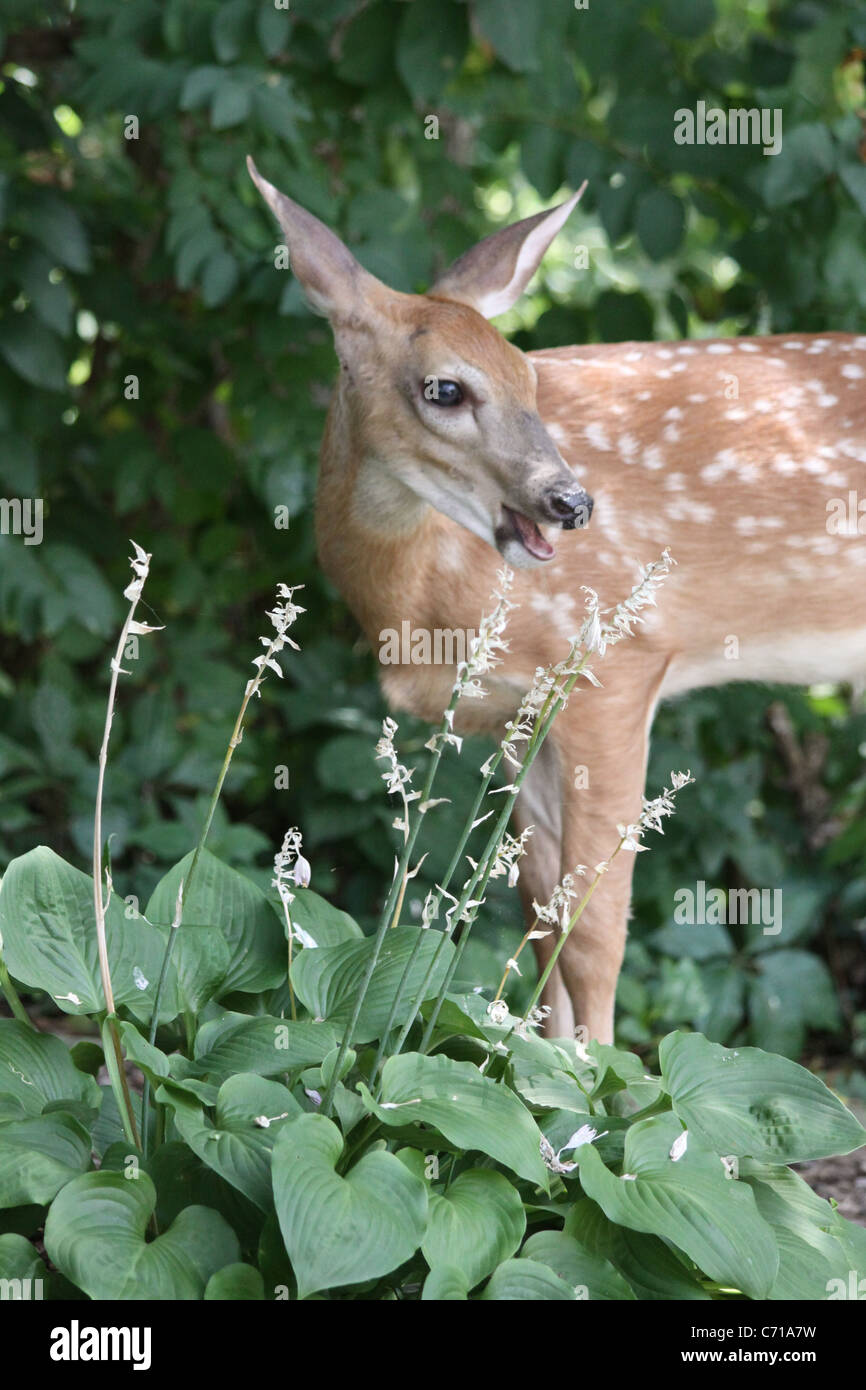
37	1069
526	1281
445	1284
343	1230
466	1107
648	1265
95	1234
327	980
233	1144
593	1277
39	1155
236	1283
476	1224
233	908
689	1202
49	940
743	1101
266	1046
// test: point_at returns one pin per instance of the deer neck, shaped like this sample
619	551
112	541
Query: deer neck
373	534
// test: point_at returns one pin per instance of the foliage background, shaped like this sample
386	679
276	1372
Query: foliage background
152	256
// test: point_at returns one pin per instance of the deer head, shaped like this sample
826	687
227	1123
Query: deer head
436	402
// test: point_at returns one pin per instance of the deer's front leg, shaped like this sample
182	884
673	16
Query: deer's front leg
540	805
602	741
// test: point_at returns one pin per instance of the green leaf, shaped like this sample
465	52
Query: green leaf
221	904
37	1069
343	1230
592	1277
476	1224
95	1234
810	1255
19	1261
49	935
649	1266
234	1144
430	47
660	222
512	30
445	1284
327	925
469	1109
266	1046
689	1202
273	28
236	1283
747	1102
807	156
526	1281
229	29
327	980
230	105
219	277
854	178
39	1155
33	351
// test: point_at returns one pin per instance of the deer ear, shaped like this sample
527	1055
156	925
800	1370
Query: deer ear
493	275
335	284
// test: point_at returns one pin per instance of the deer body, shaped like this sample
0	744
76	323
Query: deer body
732	453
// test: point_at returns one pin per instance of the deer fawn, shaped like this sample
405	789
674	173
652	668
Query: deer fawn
732	452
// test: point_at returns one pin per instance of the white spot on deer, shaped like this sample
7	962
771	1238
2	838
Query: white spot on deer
725	461
674	482
689	509
653	457
628	446
736	414
784	464
719	348
696	398
793	346
670	434
596	435
851	370
748	347
818	346
763	406
686	350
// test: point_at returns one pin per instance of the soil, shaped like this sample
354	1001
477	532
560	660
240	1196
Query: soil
843	1179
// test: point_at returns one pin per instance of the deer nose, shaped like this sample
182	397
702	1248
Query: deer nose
572	508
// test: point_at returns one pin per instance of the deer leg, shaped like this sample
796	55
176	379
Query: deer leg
540	805
603	740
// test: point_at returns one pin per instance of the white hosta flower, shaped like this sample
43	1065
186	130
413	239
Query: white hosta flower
585	1135
497	1011
486	646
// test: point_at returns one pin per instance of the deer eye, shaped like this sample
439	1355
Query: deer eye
443	392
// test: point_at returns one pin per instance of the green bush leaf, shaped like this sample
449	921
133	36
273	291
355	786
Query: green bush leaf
467	1108
475	1224
747	1102
49	936
343	1230
95	1234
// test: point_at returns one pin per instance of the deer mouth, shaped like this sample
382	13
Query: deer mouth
521	528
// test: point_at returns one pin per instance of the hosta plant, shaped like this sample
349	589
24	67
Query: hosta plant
267	1104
